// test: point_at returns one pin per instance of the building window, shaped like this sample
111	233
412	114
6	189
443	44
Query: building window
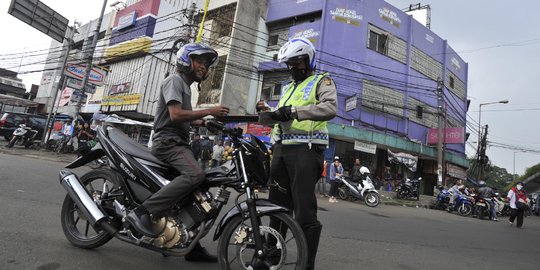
211	88
451	82
377	42
273	40
273	83
419	112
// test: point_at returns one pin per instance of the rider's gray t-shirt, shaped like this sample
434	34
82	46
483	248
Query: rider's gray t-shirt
173	88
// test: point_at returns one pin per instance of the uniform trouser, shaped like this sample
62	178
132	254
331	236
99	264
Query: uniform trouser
517	213
191	175
297	168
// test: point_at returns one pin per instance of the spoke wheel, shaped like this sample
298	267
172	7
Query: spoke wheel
76	227
465	209
284	242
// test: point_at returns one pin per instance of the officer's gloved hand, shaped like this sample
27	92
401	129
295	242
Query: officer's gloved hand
282	114
214	126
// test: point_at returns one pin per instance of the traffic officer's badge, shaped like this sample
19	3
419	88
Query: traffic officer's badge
327	81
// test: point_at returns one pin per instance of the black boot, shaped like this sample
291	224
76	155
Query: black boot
312	233
200	254
140	219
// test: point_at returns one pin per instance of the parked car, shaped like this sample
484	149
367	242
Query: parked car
11	120
535	203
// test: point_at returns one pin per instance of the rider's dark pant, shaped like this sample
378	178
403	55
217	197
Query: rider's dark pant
296	168
191	175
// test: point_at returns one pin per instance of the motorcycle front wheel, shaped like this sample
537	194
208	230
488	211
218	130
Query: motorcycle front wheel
13	140
77	229
284	242
372	199
465	209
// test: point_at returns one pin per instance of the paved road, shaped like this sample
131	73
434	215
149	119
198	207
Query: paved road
354	236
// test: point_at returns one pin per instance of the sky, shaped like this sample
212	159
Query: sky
498	39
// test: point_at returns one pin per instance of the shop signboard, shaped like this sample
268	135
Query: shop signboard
97	75
365	147
119	100
452	135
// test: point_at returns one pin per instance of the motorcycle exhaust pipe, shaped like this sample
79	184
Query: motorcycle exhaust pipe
80	196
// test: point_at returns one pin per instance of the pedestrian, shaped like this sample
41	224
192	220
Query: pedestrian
517	197
356	171
217	153
206	153
196	146
85	138
300	137
336	169
170	143
321	186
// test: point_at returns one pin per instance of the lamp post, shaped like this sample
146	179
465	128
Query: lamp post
480	150
480	117
514	174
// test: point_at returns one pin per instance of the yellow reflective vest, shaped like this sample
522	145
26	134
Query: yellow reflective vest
305	131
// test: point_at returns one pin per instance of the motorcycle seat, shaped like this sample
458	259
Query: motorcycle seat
133	148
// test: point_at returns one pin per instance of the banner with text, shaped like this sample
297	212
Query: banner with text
452	135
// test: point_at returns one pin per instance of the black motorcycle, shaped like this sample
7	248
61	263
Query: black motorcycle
97	204
409	189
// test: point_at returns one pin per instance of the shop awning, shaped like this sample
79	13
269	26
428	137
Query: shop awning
17	101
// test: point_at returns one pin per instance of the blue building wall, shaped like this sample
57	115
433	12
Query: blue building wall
341	38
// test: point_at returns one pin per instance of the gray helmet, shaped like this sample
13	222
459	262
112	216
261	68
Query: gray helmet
482	183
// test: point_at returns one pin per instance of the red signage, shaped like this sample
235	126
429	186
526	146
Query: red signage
452	135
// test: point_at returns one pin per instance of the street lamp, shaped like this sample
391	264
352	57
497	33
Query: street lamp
514	174
480	117
480	130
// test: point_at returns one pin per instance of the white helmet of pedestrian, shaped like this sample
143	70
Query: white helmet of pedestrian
298	49
364	170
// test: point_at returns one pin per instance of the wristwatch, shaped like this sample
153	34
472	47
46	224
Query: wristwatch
294	114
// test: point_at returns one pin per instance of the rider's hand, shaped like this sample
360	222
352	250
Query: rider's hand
262	106
282	114
219	111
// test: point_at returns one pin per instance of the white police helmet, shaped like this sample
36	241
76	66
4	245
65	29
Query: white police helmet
297	49
364	170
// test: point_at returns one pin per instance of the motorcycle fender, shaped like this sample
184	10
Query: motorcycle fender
367	190
263	206
92	155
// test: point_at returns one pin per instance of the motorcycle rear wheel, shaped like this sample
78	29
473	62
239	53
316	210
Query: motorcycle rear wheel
236	246
77	229
372	199
342	194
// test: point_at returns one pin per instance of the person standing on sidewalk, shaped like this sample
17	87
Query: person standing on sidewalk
336	169
300	137
321	187
515	196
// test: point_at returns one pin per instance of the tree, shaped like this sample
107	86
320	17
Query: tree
495	177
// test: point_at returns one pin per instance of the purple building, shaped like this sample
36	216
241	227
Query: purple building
386	66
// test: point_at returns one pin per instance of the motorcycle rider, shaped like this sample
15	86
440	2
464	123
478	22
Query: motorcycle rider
457	189
170	143
487	194
300	137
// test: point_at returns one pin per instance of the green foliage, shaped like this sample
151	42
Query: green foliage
494	176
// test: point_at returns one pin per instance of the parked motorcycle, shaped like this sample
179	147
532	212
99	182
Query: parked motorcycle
502	207
97	204
443	199
409	189
24	134
353	191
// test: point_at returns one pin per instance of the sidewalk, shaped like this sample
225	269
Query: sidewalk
35	153
389	198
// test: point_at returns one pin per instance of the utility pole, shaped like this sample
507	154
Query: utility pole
482	158
67	48
90	58
186	35
440	132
